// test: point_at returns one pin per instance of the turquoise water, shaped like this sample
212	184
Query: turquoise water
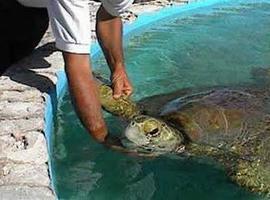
218	45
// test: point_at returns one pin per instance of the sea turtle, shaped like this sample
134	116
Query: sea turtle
230	125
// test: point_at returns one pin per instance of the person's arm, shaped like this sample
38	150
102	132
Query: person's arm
109	34
83	90
70	22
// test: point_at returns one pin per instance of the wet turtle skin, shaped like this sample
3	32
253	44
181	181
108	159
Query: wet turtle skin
231	126
123	107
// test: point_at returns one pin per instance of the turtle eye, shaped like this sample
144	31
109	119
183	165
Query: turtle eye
132	124
154	132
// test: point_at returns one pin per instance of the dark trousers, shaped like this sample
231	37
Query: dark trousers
21	29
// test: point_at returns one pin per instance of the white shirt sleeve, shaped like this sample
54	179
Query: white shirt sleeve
116	7
70	20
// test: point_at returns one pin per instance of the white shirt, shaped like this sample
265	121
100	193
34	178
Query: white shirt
70	20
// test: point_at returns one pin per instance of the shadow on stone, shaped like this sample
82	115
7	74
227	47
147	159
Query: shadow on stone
34	70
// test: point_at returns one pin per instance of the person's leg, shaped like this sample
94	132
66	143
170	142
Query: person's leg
5	15
22	29
30	30
70	21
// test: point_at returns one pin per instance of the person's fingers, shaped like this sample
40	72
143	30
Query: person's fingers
121	85
128	92
117	90
117	87
127	89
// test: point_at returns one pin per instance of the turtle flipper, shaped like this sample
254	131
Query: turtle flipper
123	107
253	175
254	172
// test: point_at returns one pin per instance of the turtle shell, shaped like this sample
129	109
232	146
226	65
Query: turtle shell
220	118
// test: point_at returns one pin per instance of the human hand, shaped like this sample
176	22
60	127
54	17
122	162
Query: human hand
120	83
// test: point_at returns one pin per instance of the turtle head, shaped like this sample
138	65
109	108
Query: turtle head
154	135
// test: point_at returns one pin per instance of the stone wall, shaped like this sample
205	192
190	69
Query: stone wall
23	150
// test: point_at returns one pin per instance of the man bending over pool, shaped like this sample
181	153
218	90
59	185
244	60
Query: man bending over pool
70	20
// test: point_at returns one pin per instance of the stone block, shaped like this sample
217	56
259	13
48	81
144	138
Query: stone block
8	127
20	110
24	174
6	83
19	192
24	148
21	96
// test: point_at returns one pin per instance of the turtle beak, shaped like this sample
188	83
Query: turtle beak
134	135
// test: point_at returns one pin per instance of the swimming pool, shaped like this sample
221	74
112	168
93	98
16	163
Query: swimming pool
215	45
